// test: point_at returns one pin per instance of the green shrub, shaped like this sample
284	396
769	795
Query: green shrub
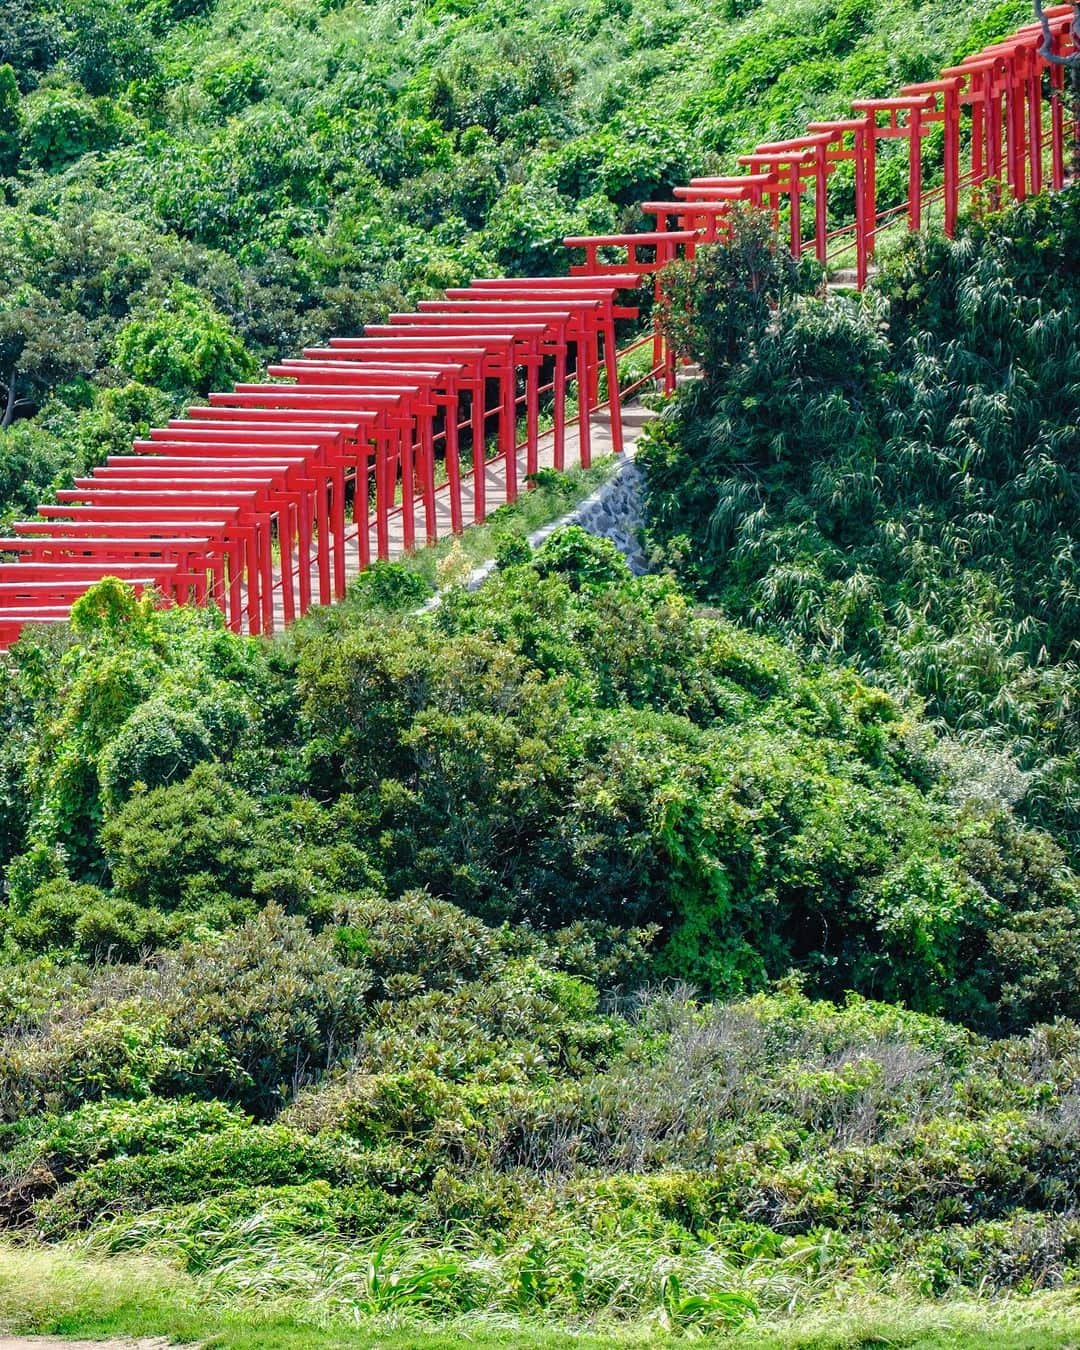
236	83
178	844
233	1158
183	345
881	483
387	587
416	937
583	559
60	123
10	121
68	1144
274	996
83	920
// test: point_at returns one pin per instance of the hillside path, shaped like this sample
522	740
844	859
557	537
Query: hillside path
635	417
62	1343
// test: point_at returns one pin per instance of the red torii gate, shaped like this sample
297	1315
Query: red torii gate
553	329
390	443
813	159
1002	85
487	356
340	440
858	154
239	499
593	313
524	340
426	391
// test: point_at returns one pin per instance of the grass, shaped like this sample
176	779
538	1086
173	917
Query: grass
1046	1321
554	495
60	1292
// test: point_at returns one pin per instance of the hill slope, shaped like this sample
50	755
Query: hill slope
195	188
894	482
344	978
237	1033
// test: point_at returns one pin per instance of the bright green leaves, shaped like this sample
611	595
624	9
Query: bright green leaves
10	122
144	697
183	345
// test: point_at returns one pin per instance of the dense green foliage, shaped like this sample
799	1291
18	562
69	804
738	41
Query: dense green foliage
188	188
410	883
894	482
490	1142
570	747
568	955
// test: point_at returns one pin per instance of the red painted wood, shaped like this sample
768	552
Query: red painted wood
236	502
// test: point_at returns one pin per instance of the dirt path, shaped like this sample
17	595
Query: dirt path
60	1343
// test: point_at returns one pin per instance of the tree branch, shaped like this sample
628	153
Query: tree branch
9	410
1046	51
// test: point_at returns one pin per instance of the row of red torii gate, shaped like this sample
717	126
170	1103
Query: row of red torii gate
267	498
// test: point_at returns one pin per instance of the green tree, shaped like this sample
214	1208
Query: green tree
61	123
30	39
183	344
41	343
892	480
717	307
10	122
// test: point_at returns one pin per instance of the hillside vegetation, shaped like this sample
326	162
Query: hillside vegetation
895	483
350	970
193	189
590	957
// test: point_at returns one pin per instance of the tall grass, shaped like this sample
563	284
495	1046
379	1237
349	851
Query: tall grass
563	1275
70	1293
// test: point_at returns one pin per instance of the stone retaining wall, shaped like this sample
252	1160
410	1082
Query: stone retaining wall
612	512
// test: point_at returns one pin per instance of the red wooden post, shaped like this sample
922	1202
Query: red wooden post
494	351
1060	18
948	90
527	332
603	290
255	448
468	365
335	432
391	430
592	319
860	154
1033	78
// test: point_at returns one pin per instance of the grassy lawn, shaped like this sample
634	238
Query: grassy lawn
61	1293
1041	1322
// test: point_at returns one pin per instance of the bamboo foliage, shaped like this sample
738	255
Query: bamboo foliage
896	482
